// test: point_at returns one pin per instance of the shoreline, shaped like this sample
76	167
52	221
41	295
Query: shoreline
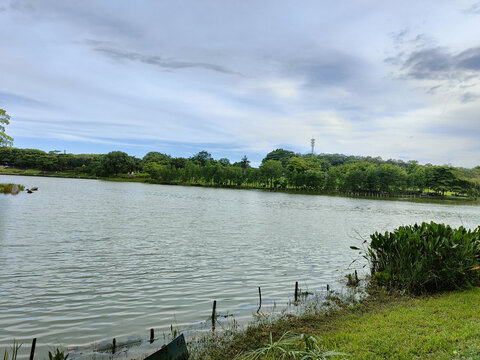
441	326
450	200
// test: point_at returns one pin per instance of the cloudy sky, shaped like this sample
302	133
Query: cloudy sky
393	79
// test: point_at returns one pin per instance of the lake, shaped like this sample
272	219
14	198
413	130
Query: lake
86	260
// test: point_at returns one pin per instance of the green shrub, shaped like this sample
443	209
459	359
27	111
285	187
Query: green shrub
425	258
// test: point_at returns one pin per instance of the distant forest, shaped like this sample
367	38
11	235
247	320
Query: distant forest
280	169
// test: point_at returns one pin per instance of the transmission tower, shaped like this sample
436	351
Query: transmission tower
312	142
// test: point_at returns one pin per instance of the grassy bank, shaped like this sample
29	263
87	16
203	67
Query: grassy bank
447	199
383	326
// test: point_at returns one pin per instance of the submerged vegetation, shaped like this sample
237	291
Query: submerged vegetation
11	188
279	170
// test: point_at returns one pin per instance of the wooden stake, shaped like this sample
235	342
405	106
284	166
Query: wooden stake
114	345
214	314
152	335
32	350
296	291
328	287
260	296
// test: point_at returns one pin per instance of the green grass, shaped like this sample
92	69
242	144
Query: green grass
123	179
444	326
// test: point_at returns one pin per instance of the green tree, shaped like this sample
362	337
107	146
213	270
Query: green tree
224	161
271	170
354	179
331	179
297	164
416	177
160	172
5	140
157	157
314	179
201	157
117	162
244	163
178	162
279	155
440	178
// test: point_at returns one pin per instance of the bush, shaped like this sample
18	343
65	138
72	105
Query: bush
425	258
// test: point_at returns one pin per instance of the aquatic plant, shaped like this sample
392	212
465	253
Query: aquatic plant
11	188
425	258
352	279
15	347
57	355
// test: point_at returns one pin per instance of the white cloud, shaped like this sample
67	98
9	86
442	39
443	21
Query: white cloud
246	76
283	88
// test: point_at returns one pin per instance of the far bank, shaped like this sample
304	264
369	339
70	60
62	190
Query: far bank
429	197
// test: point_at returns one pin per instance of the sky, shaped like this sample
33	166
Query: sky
398	80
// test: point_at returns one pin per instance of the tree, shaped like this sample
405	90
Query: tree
279	155
157	157
160	172
314	179
201	157
271	170
416	177
5	140
224	161
440	178
244	163
297	164
178	163
116	162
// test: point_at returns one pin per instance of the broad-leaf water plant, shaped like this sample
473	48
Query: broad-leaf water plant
425	258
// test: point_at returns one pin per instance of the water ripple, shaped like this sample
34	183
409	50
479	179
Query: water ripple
82	261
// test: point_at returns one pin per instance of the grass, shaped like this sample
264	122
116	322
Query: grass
440	327
382	326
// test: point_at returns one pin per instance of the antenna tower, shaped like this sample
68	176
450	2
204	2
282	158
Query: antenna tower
312	142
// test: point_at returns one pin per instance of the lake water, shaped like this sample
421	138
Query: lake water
86	260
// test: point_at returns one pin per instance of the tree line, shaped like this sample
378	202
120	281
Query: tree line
280	169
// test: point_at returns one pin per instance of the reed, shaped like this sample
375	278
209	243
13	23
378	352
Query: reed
15	347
